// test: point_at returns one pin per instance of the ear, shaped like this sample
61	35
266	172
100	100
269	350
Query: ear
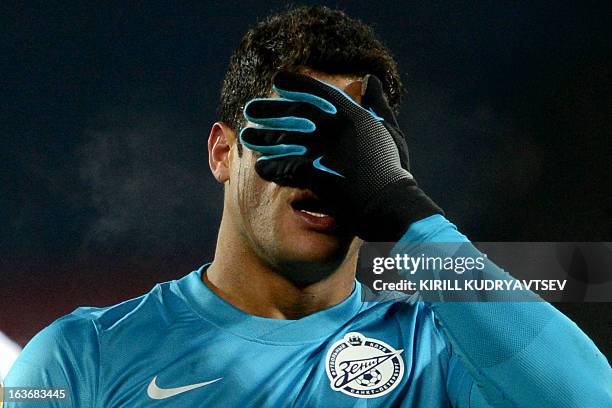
220	142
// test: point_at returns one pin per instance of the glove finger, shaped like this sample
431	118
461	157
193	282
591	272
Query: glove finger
284	113
303	88
262	139
374	100
286	171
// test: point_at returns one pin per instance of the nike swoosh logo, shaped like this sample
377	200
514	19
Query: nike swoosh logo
318	165
156	393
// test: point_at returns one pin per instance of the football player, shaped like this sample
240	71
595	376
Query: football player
313	162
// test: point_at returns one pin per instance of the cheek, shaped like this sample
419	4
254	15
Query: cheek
253	195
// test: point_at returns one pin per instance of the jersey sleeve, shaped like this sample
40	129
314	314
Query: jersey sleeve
518	354
62	356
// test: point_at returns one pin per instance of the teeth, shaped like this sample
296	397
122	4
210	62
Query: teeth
314	214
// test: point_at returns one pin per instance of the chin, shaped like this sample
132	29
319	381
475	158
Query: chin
311	257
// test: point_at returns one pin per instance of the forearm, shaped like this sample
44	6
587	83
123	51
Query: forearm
519	353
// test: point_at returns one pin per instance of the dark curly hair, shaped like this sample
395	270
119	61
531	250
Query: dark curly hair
316	37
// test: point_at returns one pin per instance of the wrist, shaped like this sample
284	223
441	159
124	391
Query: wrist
389	214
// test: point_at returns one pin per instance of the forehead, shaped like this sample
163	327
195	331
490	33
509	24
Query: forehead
350	84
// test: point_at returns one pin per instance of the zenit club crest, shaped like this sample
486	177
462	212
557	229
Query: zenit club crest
363	367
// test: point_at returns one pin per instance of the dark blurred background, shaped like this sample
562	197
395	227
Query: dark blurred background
106	110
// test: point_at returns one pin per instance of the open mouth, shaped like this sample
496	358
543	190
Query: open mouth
312	205
314	211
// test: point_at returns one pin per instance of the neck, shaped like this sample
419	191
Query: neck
240	277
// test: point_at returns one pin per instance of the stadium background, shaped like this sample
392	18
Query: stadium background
106	111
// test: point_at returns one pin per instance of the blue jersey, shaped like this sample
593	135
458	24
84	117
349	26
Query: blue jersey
181	345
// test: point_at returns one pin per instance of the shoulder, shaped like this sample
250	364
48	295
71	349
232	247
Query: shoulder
71	333
68	351
394	302
154	306
63	355
408	311
77	337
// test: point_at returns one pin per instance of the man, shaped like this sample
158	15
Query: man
313	162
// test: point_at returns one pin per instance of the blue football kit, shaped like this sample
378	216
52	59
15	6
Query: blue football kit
181	345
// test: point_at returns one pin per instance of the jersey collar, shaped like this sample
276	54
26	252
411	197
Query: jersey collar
209	306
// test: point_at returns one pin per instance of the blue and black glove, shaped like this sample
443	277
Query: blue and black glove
354	157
